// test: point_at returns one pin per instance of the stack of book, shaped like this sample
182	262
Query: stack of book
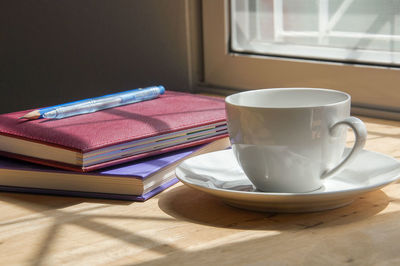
128	152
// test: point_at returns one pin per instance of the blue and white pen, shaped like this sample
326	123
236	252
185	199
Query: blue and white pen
96	104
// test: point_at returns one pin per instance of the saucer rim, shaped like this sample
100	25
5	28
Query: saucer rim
313	193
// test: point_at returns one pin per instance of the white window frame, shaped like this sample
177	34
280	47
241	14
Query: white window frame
375	90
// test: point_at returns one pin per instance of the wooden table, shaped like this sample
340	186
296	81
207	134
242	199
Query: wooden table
182	226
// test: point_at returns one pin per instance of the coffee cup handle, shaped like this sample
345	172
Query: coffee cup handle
360	133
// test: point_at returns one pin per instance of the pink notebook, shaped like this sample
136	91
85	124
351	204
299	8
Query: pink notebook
87	142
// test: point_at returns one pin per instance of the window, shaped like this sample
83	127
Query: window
359	31
349	45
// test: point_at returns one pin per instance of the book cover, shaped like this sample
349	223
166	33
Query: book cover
92	141
85	194
137	180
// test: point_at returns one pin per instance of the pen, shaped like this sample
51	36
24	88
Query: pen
96	104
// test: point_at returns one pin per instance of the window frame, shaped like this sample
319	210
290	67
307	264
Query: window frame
374	89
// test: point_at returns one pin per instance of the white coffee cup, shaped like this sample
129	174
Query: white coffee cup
291	139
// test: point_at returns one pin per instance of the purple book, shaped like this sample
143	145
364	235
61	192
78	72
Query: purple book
138	180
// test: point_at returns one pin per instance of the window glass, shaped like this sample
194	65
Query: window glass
362	31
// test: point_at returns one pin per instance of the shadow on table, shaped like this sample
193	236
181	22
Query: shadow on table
57	212
282	231
187	204
351	235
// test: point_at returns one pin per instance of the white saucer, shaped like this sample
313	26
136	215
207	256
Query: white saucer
218	174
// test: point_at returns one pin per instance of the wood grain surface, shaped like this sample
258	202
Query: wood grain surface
182	226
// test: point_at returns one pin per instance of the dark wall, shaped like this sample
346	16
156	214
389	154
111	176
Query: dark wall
57	51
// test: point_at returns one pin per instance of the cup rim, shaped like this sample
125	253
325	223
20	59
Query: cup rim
228	99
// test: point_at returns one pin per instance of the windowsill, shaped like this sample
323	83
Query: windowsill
363	110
